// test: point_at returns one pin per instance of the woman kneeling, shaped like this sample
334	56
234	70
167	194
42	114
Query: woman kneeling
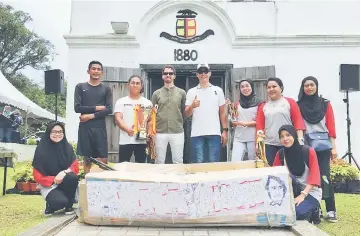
302	164
55	170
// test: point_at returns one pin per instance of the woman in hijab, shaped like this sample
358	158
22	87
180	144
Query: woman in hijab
278	111
302	164
245	122
55	169
320	134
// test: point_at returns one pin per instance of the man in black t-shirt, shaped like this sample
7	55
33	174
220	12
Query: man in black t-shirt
94	101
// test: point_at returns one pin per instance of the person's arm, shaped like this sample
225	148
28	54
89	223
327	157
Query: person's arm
118	117
108	105
331	127
260	119
314	178
45	181
188	111
78	103
74	167
183	103
296	118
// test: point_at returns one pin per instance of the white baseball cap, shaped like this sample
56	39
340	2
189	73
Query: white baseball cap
203	65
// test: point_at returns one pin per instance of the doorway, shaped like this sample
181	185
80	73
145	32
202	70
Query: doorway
186	79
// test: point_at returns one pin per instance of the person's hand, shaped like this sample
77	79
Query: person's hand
235	123
224	138
130	132
196	103
334	153
99	108
228	102
299	199
86	117
59	178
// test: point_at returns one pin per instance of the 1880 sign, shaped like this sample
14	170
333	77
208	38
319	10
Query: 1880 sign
185	55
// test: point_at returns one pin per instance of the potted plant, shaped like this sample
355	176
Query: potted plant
344	177
20	177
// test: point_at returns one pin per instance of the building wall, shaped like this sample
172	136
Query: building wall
300	38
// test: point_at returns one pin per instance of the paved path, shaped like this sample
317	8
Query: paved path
78	229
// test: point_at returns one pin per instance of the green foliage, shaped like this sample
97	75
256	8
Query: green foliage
342	171
31	141
19	46
23	173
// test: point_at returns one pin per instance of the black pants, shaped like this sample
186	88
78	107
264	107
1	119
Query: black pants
126	152
271	152
324	163
63	195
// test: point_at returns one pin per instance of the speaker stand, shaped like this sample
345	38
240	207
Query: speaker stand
56	106
349	152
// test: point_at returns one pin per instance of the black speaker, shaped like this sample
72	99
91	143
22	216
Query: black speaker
54	82
349	77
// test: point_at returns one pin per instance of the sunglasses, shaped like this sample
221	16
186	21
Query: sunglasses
168	73
203	71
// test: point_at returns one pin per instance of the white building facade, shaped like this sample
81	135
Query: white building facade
295	38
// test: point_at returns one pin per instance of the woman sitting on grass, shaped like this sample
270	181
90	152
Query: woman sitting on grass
302	164
55	170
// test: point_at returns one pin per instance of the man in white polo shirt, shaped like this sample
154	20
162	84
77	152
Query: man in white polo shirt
206	104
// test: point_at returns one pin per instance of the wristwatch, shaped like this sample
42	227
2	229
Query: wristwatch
304	193
225	129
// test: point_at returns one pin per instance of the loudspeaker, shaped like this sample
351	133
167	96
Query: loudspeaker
349	77
54	82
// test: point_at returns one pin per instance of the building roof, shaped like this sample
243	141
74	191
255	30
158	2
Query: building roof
12	96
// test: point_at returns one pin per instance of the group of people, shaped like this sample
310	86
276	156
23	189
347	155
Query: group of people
286	124
10	122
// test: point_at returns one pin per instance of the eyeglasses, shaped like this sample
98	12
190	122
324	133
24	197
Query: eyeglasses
168	73
57	132
203	71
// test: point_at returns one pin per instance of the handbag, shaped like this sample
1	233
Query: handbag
318	141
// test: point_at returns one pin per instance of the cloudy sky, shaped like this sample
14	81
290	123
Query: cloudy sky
51	20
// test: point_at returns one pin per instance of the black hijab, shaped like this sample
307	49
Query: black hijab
313	108
50	158
293	155
251	100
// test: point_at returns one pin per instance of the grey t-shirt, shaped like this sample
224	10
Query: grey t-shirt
276	113
246	134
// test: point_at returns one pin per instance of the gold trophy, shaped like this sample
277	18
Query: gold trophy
261	160
141	116
233	110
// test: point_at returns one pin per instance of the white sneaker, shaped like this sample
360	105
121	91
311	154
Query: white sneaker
331	217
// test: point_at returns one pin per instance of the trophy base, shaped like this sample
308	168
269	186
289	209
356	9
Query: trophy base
260	164
142	135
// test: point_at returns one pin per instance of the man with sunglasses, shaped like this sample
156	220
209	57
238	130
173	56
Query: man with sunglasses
206	104
171	101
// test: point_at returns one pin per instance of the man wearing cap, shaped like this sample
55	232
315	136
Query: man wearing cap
206	104
171	101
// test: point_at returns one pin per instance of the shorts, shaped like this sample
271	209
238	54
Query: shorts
92	142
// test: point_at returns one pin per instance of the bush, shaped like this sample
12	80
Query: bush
31	141
23	173
342	171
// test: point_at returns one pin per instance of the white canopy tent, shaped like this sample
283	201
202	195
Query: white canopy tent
12	96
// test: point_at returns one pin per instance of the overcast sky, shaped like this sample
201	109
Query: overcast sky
51	20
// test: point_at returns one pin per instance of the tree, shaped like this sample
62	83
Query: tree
20	47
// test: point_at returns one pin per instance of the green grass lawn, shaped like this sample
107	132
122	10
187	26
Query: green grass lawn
18	212
348	214
21	212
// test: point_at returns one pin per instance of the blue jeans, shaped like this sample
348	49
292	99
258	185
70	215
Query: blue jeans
5	135
271	152
305	210
206	148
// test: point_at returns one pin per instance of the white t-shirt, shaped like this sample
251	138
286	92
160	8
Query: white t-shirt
205	120
126	106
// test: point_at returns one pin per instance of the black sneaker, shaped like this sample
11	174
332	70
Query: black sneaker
331	217
48	211
69	211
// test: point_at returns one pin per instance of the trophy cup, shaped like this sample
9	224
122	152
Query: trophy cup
233	111
142	114
261	160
